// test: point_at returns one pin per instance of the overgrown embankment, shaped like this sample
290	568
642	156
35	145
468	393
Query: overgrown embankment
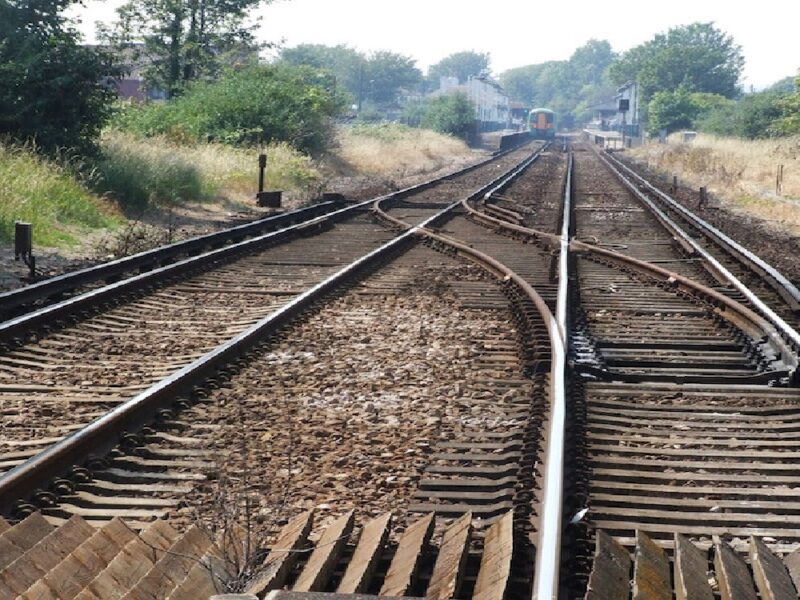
137	175
48	195
740	173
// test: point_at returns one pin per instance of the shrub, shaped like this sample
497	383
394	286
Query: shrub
671	111
754	116
453	114
258	104
52	91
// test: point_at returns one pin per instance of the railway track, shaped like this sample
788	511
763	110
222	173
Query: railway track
661	457
654	363
147	473
81	365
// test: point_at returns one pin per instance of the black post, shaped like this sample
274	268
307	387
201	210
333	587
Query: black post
23	246
262	167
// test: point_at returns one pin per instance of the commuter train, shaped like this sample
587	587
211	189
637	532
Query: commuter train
542	123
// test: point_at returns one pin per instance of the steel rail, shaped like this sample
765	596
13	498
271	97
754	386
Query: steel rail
103	434
791	335
492	187
787	290
756	325
48	288
17	326
548	557
548	554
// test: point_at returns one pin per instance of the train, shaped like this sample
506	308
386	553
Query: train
542	123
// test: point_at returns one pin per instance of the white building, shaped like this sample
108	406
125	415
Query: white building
492	104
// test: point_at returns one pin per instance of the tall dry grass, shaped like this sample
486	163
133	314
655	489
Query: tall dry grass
139	172
392	150
741	173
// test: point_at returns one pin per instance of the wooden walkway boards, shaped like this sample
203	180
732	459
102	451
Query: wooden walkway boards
691	573
75	561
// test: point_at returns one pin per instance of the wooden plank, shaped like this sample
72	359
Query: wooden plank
130	564
792	562
771	576
498	548
448	571
732	574
159	534
76	571
651	580
283	555
366	556
203	579
46	554
172	567
691	571
22	537
402	572
610	576
322	561
4	525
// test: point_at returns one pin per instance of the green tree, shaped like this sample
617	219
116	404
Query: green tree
386	73
461	65
184	40
589	62
698	56
54	90
376	78
453	114
344	63
753	116
566	86
789	122
520	82
787	85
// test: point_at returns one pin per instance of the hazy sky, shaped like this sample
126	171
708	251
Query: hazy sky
518	33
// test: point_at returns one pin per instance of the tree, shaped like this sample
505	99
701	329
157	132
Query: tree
376	78
786	85
343	62
53	90
520	82
461	65
589	62
671	111
184	40
698	56
789	122
386	73
453	114
566	86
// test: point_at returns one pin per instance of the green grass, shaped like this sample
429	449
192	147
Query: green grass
141	172
43	193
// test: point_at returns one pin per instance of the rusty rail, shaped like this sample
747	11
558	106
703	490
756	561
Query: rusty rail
104	433
788	291
782	327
